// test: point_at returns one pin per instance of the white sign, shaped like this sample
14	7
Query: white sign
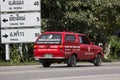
19	35
19	5
20	19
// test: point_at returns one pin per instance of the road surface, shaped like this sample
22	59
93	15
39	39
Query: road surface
83	71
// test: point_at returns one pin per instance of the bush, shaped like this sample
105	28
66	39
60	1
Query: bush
15	55
115	47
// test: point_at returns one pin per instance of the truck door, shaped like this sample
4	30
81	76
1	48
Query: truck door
85	47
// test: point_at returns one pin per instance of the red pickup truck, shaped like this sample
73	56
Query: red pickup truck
68	47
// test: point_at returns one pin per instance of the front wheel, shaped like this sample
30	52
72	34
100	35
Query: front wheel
72	61
98	60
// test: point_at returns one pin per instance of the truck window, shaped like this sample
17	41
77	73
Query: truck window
80	40
70	37
83	40
49	39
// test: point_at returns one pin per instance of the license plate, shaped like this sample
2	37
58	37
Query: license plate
48	56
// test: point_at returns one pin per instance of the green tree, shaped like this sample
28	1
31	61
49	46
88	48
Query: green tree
97	18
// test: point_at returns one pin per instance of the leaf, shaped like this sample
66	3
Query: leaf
58	4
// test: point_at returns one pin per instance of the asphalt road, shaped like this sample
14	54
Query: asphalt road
83	71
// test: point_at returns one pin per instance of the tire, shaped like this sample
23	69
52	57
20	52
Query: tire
98	60
72	61
46	63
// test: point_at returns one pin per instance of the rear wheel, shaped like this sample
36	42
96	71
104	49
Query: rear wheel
72	61
98	60
46	63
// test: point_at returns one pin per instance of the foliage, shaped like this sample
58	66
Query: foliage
96	18
2	52
14	54
115	47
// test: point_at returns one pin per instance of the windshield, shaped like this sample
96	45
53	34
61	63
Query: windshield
49	39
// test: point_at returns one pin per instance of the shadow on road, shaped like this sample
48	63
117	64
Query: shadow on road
65	66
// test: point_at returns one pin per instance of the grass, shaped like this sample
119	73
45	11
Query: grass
18	64
112	59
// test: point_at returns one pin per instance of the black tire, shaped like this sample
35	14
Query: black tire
72	61
98	60
46	63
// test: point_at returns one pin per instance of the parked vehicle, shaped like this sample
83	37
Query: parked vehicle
68	47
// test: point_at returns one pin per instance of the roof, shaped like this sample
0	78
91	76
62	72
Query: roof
64	32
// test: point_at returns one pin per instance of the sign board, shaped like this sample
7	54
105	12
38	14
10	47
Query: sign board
19	5
20	19
19	35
